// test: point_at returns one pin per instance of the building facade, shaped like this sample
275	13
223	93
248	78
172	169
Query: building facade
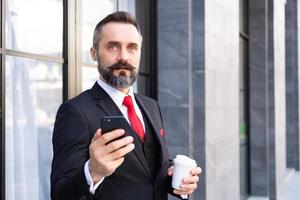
225	74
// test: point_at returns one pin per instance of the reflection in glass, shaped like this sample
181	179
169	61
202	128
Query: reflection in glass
89	77
35	26
127	5
33	93
92	12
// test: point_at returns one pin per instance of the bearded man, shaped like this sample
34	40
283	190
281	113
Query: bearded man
90	164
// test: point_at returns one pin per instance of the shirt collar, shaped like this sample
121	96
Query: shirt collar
116	95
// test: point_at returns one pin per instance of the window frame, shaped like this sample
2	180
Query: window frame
63	60
146	14
244	37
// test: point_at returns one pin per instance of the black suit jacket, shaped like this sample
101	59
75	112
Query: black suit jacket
76	122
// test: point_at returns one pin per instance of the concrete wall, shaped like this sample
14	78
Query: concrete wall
181	79
222	99
267	98
198	89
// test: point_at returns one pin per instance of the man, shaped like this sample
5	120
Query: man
89	164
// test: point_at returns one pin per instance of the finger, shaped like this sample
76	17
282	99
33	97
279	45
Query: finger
96	135
193	179
170	171
115	145
109	136
196	171
120	153
182	192
187	187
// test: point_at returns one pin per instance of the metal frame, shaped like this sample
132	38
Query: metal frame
244	34
72	48
117	4
65	50
153	49
146	13
22	54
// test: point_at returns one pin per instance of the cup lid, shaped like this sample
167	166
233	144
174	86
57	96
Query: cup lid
184	160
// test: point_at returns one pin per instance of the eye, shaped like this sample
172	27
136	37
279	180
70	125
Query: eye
132	48
112	46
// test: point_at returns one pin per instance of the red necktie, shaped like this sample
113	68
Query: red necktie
133	118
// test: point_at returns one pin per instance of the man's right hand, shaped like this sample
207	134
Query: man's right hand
106	156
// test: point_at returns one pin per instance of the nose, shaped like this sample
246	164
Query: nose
123	55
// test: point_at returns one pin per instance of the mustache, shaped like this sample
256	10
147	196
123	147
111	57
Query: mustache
122	65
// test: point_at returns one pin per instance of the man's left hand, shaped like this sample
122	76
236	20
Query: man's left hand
189	184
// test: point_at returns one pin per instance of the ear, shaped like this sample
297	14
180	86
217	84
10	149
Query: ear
93	52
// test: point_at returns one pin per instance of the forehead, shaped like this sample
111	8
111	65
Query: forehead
120	32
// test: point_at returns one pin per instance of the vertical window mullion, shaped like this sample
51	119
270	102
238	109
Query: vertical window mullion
65	50
71	52
244	104
117	5
146	15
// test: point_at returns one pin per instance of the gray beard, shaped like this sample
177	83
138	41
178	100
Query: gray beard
120	82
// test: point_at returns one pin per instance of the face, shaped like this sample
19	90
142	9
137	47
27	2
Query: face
118	54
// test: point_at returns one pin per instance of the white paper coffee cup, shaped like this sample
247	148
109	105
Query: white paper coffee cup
182	167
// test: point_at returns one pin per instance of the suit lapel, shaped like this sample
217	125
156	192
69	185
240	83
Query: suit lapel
105	102
147	111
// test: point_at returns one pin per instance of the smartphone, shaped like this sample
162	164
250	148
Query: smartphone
110	123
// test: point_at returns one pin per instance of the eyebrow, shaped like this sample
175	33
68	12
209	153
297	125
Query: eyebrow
133	44
113	43
118	43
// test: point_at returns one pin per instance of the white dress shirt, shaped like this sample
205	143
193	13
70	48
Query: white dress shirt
118	97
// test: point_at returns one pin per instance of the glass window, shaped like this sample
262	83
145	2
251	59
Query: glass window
35	26
92	12
33	93
90	75
127	5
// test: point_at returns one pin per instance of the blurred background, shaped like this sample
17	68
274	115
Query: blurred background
225	74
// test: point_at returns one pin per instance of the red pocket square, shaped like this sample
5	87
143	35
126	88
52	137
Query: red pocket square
161	132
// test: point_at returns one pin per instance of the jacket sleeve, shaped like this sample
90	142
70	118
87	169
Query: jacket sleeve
71	141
